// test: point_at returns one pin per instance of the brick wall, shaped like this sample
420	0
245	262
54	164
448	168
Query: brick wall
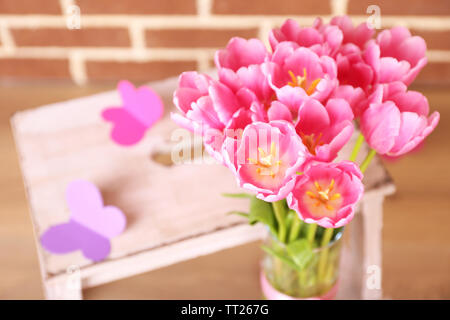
145	40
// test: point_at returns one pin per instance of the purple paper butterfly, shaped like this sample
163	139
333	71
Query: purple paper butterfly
141	108
91	225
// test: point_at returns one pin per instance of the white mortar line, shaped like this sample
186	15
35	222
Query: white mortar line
204	8
137	37
110	54
338	7
203	61
438	56
213	21
419	23
77	67
37	52
264	29
34	21
150	21
8	44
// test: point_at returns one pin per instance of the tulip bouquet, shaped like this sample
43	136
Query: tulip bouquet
278	118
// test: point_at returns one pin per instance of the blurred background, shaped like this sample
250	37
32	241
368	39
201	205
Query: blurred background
54	50
144	40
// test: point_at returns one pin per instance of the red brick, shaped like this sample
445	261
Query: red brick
195	38
435	39
272	7
146	71
30	7
137	6
26	69
435	73
401	7
85	37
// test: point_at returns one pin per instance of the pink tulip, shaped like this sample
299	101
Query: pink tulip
353	67
266	158
325	129
251	78
400	50
327	193
320	38
279	111
355	96
207	102
300	70
396	56
209	107
397	120
356	35
241	53
239	68
193	100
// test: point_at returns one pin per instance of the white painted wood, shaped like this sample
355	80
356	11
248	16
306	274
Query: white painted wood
169	254
372	241
65	287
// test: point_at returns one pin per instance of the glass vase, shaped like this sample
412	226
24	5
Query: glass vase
318	279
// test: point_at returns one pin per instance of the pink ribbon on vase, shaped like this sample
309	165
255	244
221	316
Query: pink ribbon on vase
273	294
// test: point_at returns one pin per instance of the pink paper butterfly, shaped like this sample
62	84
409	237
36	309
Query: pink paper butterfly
91	225
141	108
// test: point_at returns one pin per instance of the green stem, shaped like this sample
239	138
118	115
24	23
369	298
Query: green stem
279	267
324	253
311	233
278	208
357	147
367	160
295	228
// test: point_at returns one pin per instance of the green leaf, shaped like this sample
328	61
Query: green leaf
238	195
301	252
280	256
262	211
239	213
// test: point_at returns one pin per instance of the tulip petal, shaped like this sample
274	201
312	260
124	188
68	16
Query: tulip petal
380	125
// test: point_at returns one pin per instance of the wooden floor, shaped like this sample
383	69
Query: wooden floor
416	247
